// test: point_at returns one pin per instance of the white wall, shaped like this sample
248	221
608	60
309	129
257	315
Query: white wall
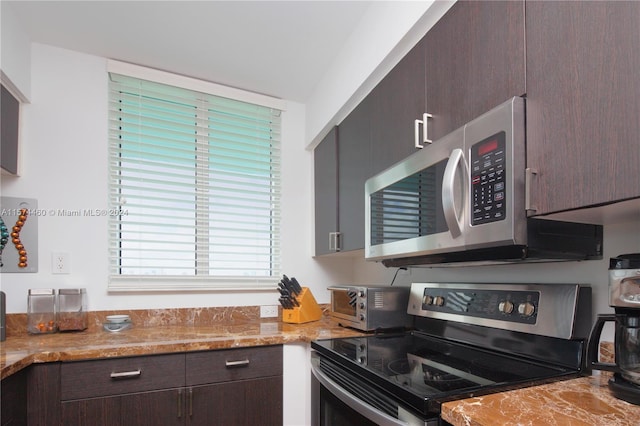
385	34
65	167
14	53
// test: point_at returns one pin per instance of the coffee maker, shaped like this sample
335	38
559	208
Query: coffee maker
624	297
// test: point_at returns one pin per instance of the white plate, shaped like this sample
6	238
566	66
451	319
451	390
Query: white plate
114	319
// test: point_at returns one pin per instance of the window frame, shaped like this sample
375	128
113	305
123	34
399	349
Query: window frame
179	283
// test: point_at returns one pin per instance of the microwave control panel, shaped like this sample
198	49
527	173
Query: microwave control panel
488	180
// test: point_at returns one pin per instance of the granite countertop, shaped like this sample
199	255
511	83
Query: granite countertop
158	331
584	401
581	401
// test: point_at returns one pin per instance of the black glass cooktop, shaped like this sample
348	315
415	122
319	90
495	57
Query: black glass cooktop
425	371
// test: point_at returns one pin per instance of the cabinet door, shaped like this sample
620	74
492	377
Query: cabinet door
397	101
583	110
474	61
325	158
92	412
138	409
14	399
165	408
354	168
43	394
244	402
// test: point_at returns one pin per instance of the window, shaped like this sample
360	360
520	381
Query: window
194	189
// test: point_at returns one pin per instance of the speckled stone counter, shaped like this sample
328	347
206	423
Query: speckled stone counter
585	401
158	331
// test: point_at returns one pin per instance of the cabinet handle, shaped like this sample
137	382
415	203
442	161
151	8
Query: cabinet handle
240	363
179	403
416	130
334	241
126	374
529	174
190	402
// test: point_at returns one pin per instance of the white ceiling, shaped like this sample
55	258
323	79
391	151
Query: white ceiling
277	48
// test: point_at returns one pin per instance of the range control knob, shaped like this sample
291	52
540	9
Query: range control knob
506	307
527	309
427	300
438	300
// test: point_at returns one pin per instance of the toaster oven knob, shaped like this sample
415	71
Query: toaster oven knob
361	317
438	300
506	307
361	293
527	309
361	305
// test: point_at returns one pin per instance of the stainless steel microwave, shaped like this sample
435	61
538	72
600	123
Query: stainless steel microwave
462	199
370	308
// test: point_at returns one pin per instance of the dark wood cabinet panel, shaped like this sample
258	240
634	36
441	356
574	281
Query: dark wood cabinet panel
246	402
397	101
226	387
354	168
167	408
93	412
164	408
583	110
325	159
43	394
14	400
233	364
475	60
86	379
9	131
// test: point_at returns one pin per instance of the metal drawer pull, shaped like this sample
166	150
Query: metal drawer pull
241	363
127	374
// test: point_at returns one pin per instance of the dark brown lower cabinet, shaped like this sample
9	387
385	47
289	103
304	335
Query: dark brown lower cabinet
246	402
143	409
14	400
222	387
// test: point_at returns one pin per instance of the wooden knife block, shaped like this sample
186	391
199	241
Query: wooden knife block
307	311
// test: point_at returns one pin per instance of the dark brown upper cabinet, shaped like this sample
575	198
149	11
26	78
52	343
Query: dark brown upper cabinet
583	103
475	60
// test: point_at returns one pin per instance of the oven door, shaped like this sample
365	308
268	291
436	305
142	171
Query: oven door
352	402
343	306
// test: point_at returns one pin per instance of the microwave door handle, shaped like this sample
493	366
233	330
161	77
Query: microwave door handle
454	223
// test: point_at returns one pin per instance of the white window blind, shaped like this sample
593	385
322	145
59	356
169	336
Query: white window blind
194	189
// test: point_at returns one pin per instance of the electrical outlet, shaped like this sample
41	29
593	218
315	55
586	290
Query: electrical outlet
60	263
269	311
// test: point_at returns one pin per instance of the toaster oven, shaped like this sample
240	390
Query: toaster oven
370	308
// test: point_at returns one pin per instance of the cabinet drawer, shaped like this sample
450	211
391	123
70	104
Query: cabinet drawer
86	379
233	364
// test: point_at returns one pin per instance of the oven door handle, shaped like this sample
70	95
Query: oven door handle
361	407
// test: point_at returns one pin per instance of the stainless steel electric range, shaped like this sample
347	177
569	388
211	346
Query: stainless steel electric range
467	340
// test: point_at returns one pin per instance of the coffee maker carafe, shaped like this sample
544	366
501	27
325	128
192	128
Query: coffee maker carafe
624	297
